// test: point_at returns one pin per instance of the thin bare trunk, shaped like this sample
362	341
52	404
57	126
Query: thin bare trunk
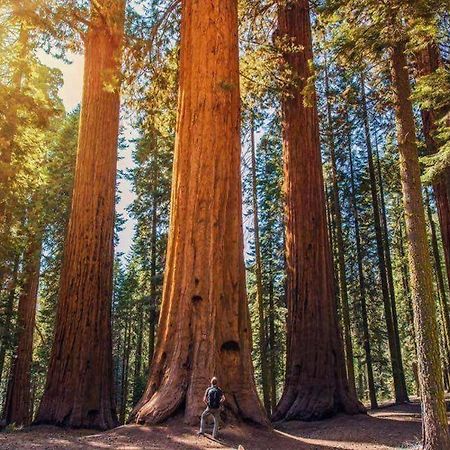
343	290
362	290
259	285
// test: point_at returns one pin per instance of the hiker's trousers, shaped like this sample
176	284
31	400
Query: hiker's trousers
215	413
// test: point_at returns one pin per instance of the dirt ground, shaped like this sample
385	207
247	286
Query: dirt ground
392	427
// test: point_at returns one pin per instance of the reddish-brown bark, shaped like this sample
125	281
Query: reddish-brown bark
204	327
18	406
316	384
78	391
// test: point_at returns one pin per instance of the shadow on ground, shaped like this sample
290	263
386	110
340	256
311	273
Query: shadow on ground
391	427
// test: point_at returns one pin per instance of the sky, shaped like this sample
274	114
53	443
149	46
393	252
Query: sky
70	94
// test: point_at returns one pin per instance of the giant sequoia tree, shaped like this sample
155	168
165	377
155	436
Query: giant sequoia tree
204	328
78	390
316	383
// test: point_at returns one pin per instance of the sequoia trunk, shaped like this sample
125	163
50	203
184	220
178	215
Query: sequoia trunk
78	391
204	327
316	383
435	427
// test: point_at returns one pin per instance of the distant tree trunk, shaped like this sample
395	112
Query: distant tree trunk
401	394
273	372
389	272
343	291
5	331
18	405
138	354
78	391
428	61
204	326
316	383
362	292
153	259
435	427
441	288
259	285
125	367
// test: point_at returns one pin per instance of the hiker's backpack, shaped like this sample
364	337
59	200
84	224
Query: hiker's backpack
213	397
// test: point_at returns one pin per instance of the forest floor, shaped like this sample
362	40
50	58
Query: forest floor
389	427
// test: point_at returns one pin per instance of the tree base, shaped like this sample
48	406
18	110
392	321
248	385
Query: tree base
315	403
93	420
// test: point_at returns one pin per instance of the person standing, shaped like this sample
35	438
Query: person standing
213	399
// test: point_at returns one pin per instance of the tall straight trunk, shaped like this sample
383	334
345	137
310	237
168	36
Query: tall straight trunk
362	291
204	326
259	285
428	61
153	258
78	391
343	291
435	427
401	394
138	354
316	384
389	271
18	405
329	207
125	367
441	287
273	371
6	331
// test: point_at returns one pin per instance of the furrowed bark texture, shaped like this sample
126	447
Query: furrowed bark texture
204	327
78	391
18	398
316	384
435	428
